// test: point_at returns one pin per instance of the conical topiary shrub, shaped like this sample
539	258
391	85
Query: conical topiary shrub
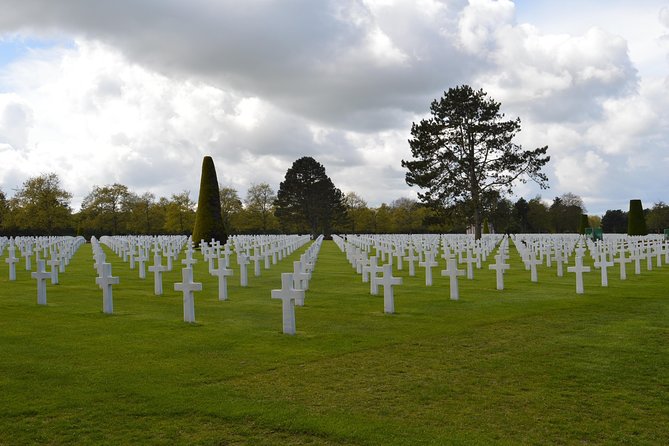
583	224
486	226
208	219
636	221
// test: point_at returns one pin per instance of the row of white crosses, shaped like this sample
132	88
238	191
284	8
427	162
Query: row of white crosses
534	250
217	257
266	249
423	249
65	245
58	250
294	285
614	249
368	267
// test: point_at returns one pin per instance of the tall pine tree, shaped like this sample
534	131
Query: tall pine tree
308	201
465	150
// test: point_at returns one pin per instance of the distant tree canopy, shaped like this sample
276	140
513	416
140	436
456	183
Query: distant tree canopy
465	150
308	201
565	213
40	205
115	209
260	199
615	221
658	218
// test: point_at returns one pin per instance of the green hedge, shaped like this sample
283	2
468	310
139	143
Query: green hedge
636	221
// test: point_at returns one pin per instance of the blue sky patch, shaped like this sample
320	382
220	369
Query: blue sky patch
13	47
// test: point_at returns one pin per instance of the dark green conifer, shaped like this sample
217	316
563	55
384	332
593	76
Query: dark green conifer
208	219
636	221
583	224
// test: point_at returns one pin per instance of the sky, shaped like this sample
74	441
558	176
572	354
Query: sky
138	91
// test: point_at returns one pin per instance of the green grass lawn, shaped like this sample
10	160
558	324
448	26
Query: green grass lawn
533	364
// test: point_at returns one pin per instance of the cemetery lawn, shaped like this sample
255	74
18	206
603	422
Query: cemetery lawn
533	364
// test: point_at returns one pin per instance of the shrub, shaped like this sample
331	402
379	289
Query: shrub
208	218
636	222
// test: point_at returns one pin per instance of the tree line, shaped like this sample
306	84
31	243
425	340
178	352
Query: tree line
42	207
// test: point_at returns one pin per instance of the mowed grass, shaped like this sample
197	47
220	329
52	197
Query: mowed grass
533	364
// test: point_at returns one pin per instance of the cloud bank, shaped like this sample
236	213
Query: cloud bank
144	89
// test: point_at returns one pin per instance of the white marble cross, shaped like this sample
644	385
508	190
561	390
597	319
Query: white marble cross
256	257
54	263
226	255
387	281
105	281
27	255
411	258
532	262
188	287
141	260
12	260
399	253
222	273
300	280
428	264
243	261
469	260
636	257
579	269
622	260
41	275
157	269
603	265
499	266
559	260
189	261
372	269
453	272
288	294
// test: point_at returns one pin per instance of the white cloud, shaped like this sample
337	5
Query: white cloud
148	88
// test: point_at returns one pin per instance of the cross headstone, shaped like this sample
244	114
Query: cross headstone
387	281
603	265
157	269
453	272
428	264
636	257
469	260
12	260
372	269
41	275
622	260
256	257
243	261
559	261
532	262
141	262
579	269
54	263
222	273
105	281
188	287
288	294
411	258
300	280
499	266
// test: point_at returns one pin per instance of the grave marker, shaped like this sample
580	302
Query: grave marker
288	295
188	287
41	275
105	282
